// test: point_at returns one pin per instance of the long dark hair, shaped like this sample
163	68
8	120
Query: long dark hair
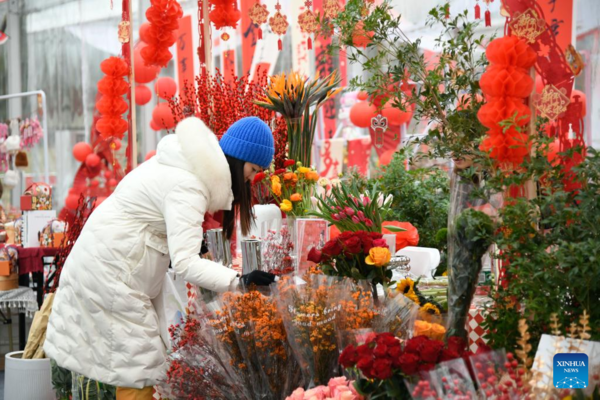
242	199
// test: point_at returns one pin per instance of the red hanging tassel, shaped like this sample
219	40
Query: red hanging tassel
309	43
259	33
488	18
477	11
280	45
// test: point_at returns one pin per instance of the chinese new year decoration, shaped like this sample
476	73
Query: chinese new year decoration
112	105
279	24
488	15
163	16
506	84
223	14
308	22
258	15
331	8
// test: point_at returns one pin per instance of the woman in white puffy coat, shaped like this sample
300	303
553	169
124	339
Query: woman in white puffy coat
103	324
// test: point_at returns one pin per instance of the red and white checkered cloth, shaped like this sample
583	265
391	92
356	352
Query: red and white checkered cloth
475	331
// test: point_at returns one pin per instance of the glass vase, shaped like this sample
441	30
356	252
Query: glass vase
301	132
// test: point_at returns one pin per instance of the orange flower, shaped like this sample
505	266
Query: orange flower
410	237
290	176
296	197
378	256
312	175
437	331
276	187
422	328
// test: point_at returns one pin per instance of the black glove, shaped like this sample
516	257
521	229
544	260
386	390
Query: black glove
258	278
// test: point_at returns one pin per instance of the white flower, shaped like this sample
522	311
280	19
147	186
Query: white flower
323	182
381	202
336	182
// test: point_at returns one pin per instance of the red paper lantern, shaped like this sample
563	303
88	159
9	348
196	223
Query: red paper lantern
72	201
502	108
499	80
361	114
154	126
117	144
395	116
387	157
163	117
144	32
143	74
149	155
165	87
362	95
142	95
511	51
81	150
92	160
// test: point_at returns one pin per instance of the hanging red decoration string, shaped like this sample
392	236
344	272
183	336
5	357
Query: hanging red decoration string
477	11
258	14
488	15
111	105
308	22
279	24
506	84
223	14
163	16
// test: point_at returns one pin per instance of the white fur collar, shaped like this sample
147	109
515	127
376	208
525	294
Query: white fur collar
202	154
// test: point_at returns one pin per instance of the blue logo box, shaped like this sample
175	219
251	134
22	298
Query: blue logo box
570	371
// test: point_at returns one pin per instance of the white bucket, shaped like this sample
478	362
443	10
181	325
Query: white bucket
27	379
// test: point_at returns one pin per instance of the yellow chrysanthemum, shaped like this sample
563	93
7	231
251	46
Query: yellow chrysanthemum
286	206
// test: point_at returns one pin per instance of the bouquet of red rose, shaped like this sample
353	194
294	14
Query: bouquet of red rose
383	362
358	255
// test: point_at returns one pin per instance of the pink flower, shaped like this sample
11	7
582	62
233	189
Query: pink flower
298	394
335	217
317	393
355	200
365	200
368	223
342	215
361	215
335	382
349	211
355	219
379	243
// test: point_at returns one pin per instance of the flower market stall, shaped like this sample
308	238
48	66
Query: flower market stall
429	226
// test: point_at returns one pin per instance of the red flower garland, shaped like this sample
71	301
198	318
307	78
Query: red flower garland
163	16
507	84
112	105
224	13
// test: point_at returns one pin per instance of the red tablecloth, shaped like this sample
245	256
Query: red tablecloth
30	259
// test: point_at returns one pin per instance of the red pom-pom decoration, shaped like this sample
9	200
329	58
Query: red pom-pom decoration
143	95
163	117
503	108
499	80
165	87
224	13
111	105
163	16
81	150
511	51
506	83
361	114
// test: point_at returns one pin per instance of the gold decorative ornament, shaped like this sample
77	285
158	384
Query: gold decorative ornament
552	102
575	60
527	25
124	32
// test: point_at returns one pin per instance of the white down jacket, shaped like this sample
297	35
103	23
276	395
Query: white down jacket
103	324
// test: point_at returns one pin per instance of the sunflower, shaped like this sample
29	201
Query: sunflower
406	285
412	296
430	308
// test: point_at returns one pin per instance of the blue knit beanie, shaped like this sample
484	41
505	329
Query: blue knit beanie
250	140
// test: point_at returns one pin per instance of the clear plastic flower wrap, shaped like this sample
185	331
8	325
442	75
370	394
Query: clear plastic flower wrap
311	314
498	376
449	380
199	368
262	341
397	317
358	311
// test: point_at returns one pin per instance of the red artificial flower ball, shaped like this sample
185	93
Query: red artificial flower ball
112	105
511	51
224	14
81	150
112	127
114	67
112	86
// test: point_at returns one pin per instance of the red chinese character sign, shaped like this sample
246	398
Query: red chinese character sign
185	52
